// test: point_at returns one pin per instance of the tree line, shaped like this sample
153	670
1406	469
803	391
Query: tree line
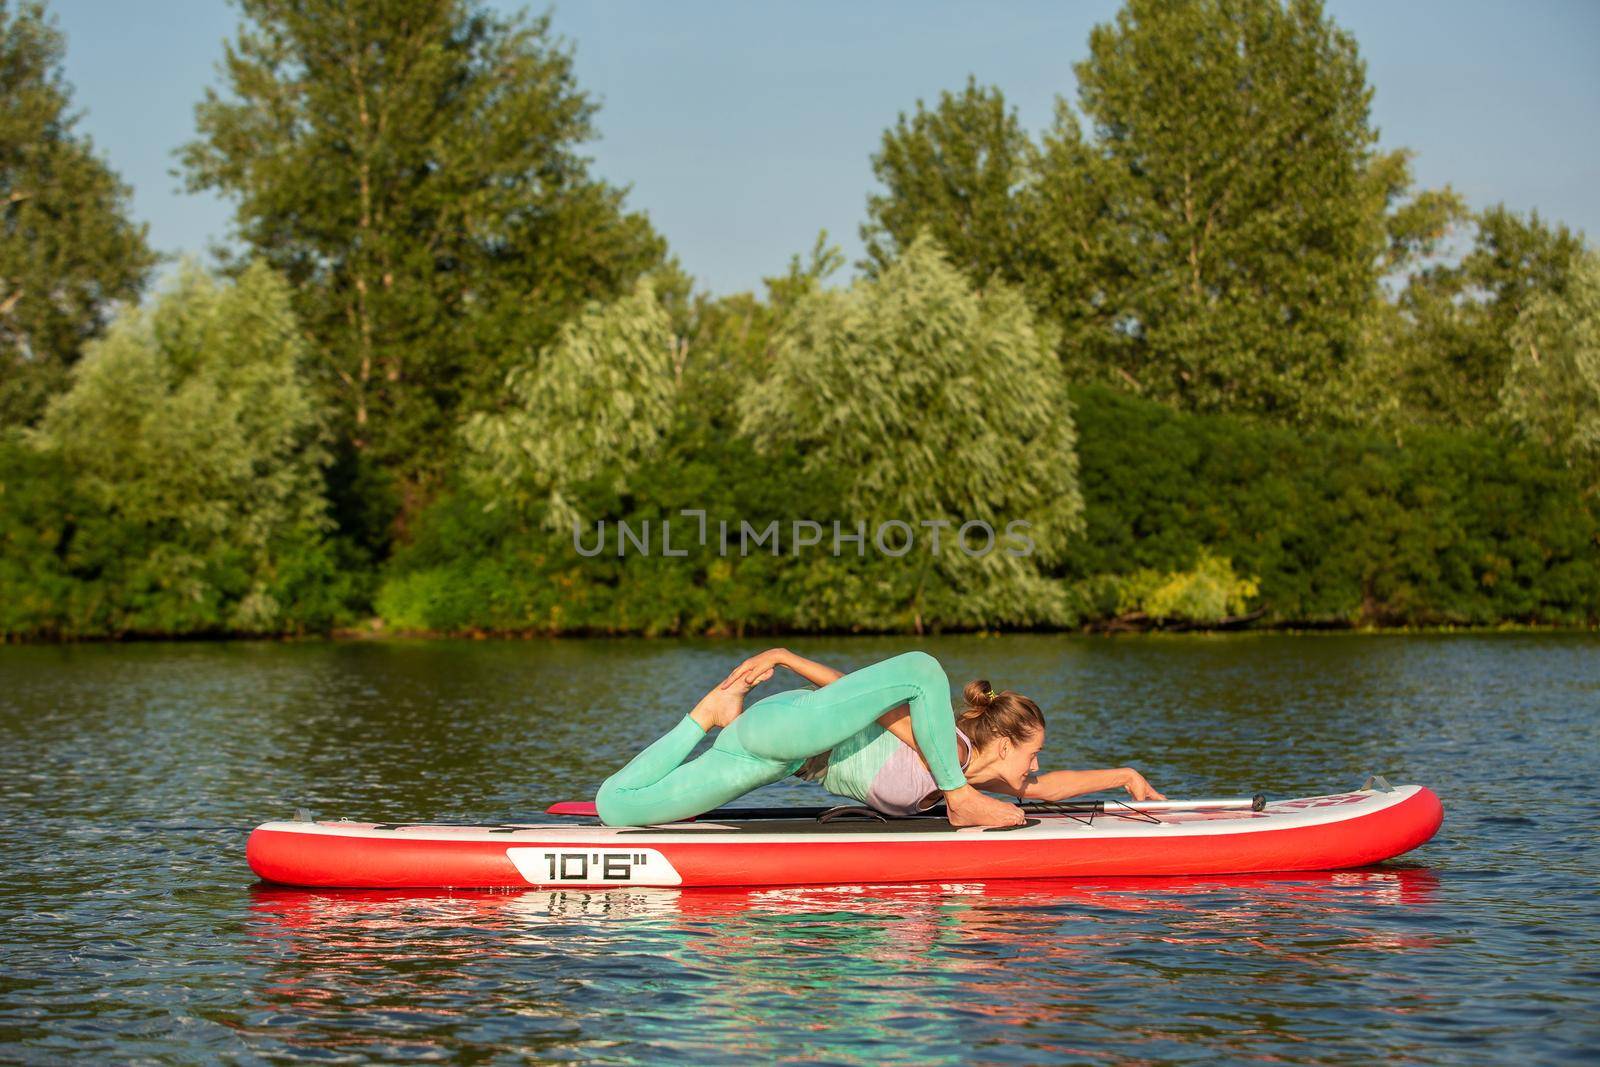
1201	349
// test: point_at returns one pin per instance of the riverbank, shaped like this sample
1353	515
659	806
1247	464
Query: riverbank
373	632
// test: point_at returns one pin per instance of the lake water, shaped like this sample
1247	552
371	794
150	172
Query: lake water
132	930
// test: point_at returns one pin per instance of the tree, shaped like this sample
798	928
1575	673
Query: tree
411	168
1215	240
1453	338
932	402
1076	264
958	172
1037	218
1240	161
68	251
1552	386
197	448
724	347
596	402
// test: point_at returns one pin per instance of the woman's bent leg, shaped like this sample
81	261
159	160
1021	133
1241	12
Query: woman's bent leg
799	724
657	786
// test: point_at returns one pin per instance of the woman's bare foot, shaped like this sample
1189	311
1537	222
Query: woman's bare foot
723	705
719	707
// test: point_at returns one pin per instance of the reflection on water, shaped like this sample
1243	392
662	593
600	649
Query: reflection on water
131	929
283	910
1020	954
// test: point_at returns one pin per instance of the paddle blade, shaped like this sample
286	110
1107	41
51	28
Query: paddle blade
572	807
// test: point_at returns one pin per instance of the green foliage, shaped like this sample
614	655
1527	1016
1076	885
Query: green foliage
933	402
1217	241
599	399
473	566
1076	265
67	247
1208	593
956	172
1341	527
725	343
1189	519
39	509
192	455
1552	387
1237	152
1452	337
412	169
477	345
908	397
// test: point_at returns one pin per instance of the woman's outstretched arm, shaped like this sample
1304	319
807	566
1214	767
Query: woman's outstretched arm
763	663
1059	785
812	671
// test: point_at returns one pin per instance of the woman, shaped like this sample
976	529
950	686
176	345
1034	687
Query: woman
883	735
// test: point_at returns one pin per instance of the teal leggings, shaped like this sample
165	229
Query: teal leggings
773	737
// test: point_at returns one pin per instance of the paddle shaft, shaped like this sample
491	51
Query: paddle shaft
1086	807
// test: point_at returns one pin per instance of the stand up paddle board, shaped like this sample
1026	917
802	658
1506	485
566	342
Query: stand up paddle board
760	847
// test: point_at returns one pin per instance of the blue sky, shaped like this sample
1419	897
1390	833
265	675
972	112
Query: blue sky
743	129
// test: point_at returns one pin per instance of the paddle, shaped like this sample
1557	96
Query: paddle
1042	807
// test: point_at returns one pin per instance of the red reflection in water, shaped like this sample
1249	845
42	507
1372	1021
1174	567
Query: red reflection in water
986	933
360	921
293	910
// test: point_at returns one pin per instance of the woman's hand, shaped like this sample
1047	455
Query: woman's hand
1135	784
757	668
968	807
